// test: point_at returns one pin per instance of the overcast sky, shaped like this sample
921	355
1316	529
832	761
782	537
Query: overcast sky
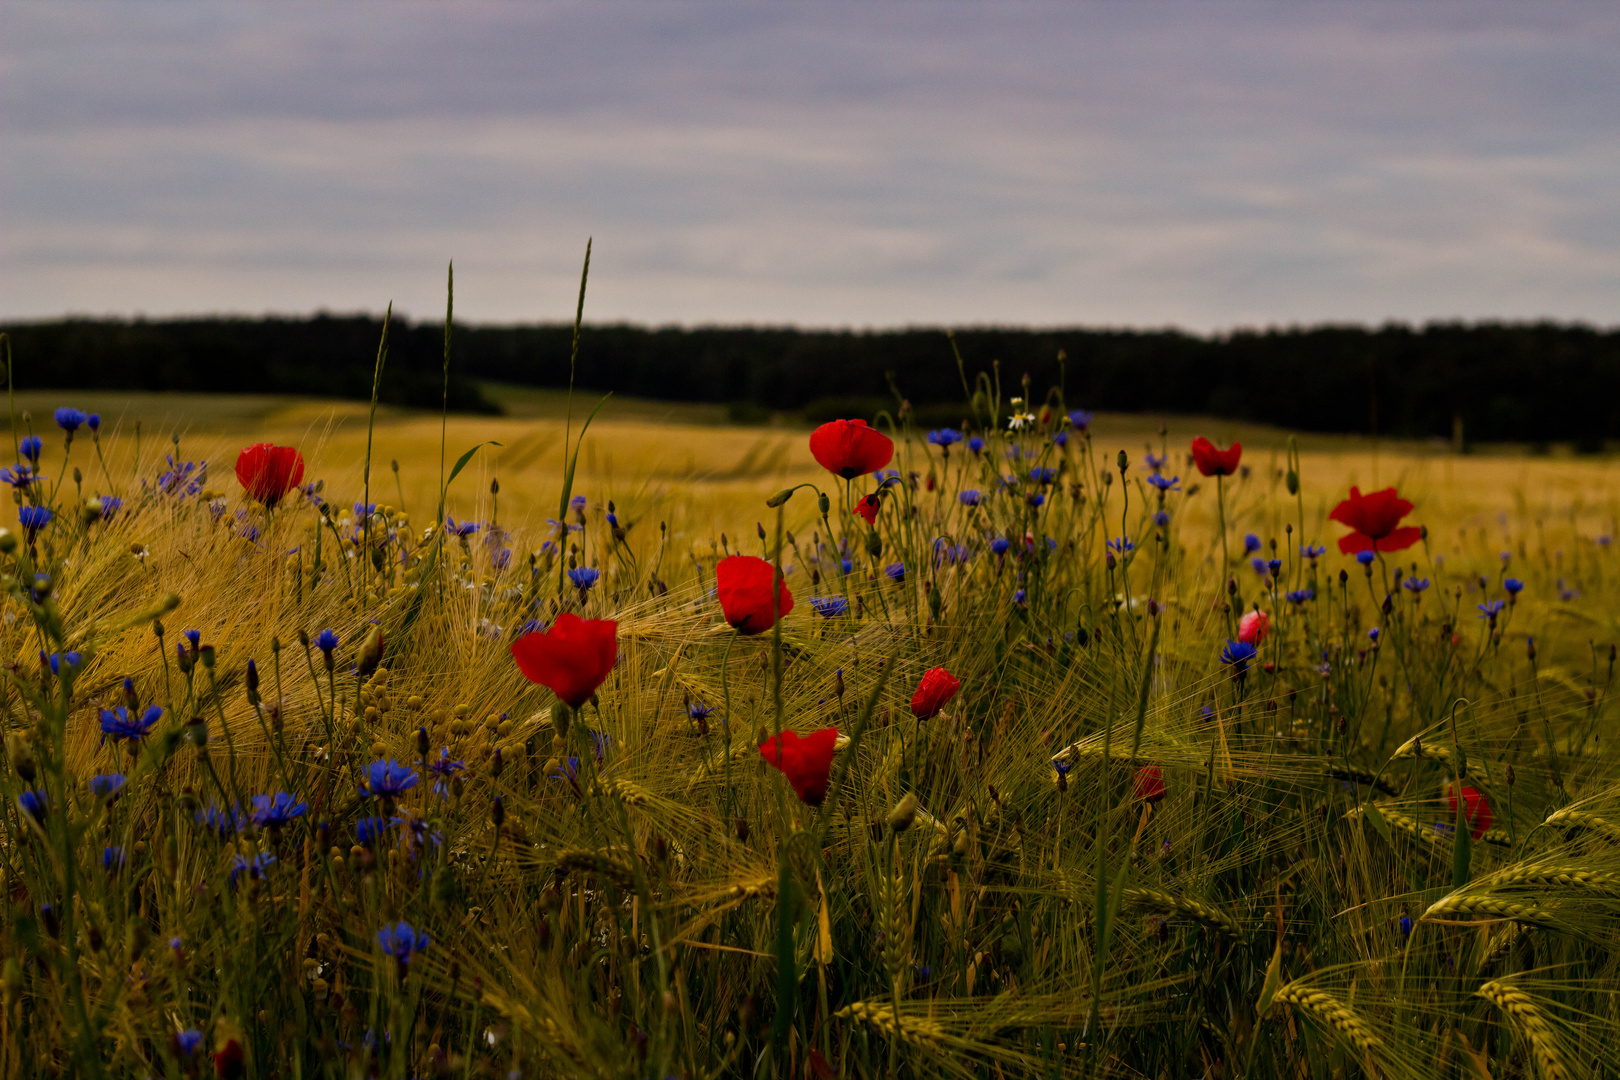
1205	164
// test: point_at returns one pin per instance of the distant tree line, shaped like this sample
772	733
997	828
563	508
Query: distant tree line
1524	382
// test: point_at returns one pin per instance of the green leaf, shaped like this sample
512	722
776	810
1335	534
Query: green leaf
568	476
461	462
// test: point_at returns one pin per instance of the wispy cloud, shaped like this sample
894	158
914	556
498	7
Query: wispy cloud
1191	163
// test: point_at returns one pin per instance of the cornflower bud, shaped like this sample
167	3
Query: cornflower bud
497	812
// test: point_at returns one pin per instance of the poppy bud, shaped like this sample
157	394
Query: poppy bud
824	504
303	638
197	732
371	652
1124	462
874	545
206	654
494	486
422	741
1293	482
1344	576
22	757
903	814
935	601
497	812
779	498
561	714
157	628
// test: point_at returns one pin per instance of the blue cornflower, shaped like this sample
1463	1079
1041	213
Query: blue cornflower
1164	483
1490	609
1299	596
1080	419
93	421
828	606
1000	545
896	571
1061	439
254	868
401	941
1121	545
418	832
1020	597
1275	566
846	566
699	711
112	858
106	784
326	641
1259	565
945	437
465	529
584	577
1062	767
33	804
1406	926
388	779
364	510
31	448
193	636
1313	551
570	769
189	1041
1365	558
1155	461
369	830
34	518
19	476
1372	635
970	497
110	505
274	811
1416	585
1161	519
59	660
1513	586
220	822
530	626
117	724
1251	542
577	503
182	478
443	771
1237	655
976	445
1035	499
1041	474
69	419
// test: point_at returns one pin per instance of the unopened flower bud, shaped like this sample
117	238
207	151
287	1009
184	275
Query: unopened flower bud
903	814
497	812
560	716
824	504
778	499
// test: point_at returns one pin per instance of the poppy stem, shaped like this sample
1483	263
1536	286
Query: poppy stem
725	691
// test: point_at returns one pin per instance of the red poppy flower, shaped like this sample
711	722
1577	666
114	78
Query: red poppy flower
868	508
268	471
1254	627
1213	461
1376	519
744	585
571	659
1477	811
1149	783
229	1061
806	762
849	448
937	687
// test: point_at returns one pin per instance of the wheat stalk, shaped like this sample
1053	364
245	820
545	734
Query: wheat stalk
1332	1012
881	1015
1170	904
1486	907
1580	819
1528	1016
1548	875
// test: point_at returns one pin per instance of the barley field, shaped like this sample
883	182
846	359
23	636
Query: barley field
1123	769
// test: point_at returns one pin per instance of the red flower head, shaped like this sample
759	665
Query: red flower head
937	687
1477	811
806	762
1376	519
744	584
1149	783
268	471
849	448
1212	461
1254	627
571	659
868	508
229	1061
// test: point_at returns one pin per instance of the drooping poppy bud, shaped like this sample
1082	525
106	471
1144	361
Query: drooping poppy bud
1254	627
936	687
868	508
744	585
1149	783
572	658
806	761
1213	461
848	448
1476	811
1376	519
267	471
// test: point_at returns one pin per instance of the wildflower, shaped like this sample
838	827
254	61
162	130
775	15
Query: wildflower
1300	596
1313	552
1149	783
195	637
1019	420
274	811
577	504
1376	521
1062	767
699	711
1259	565
744	585
1254	627
119	725
572	659
443	771
584	577
463	530
1164	483
418	833
1155	462
60	660
267	471
1020	597
1373	634
188	1042
806	762
1237	655
896	571
110	505
33	519
33	804
1513	586
388	779
19	476
1035	499
31	447
93	421
220	822
1041	474
69	419
1161	519
999	545
935	689
182	478
1080	419
1406	926
1212	461
112	857
369	830
1490	610
254	868
1275	566
106	785
1121	545
1416	585
1061	439
868	508
848	448
976	445
1476	811
1251	542
327	641
401	941
944	438
829	606
1365	558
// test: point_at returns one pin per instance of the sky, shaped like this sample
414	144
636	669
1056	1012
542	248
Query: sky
1205	164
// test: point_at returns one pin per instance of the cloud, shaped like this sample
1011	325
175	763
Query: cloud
1204	165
